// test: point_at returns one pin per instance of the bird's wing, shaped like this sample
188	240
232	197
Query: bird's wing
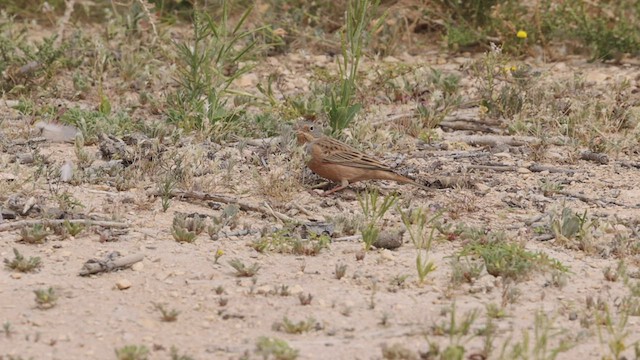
336	152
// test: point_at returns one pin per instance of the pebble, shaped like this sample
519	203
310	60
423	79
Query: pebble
137	266
123	284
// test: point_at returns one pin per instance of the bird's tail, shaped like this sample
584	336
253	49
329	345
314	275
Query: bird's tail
404	180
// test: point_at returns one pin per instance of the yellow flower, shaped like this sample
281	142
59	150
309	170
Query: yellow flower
219	253
521	34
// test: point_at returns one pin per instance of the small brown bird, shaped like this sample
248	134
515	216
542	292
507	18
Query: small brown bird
339	162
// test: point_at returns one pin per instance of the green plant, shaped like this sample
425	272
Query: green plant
543	334
444	98
373	211
282	241
609	30
207	66
73	229
229	217
458	331
167	315
305	299
35	234
416	223
242	270
464	270
570	226
397	352
175	355
340	271
165	188
7	329
278	349
300	327
20	263
46	299
132	352
339	101
511	260
186	228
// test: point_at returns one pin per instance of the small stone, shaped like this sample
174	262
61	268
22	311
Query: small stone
137	266
523	170
16	276
390	239
360	255
123	284
573	316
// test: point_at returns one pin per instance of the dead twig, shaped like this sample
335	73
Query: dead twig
503	168
88	222
112	262
589	200
494	140
595	157
347	238
551	169
228	200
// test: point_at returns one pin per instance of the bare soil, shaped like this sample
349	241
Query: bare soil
355	317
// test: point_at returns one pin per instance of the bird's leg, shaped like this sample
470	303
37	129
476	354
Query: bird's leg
342	185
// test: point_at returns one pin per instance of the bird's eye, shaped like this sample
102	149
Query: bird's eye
311	127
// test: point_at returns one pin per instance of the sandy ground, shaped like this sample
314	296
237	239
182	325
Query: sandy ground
354	317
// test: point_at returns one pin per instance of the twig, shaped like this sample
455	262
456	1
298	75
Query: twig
589	200
463	125
111	263
595	157
551	169
228	200
544	237
88	222
495	140
347	238
504	168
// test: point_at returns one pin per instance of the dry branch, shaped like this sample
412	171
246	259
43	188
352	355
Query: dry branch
595	157
504	168
228	200
110	263
551	169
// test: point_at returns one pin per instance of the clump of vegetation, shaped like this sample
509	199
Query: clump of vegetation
187	228
167	315
22	264
284	242
422	237
511	260
374	210
35	234
132	352
243	270
291	327
278	349
46	299
207	66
